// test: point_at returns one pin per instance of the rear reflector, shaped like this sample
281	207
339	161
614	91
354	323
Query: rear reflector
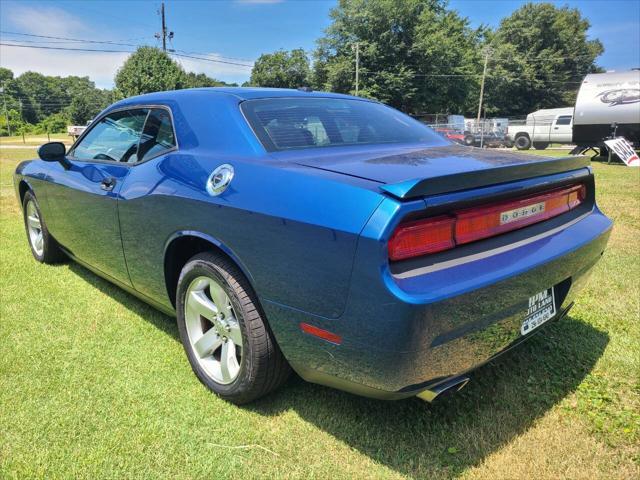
435	234
320	333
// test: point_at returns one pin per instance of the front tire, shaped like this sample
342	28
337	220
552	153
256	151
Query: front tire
224	332
43	246
523	142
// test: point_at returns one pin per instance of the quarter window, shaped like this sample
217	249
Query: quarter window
564	120
157	136
115	137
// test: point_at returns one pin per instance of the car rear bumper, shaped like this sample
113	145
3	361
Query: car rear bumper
402	334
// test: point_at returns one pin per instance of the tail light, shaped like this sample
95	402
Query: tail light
422	237
436	234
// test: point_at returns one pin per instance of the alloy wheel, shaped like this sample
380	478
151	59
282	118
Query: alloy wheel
213	330
34	227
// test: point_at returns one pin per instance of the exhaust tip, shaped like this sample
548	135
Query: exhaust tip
443	389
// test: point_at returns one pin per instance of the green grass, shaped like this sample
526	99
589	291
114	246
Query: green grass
35	140
94	384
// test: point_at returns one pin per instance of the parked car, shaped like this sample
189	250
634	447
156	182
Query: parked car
319	232
451	134
542	127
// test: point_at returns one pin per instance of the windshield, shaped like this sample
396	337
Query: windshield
297	123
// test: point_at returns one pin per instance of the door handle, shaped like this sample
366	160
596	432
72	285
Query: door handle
108	183
556	128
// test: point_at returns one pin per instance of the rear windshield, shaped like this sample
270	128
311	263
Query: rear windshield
297	123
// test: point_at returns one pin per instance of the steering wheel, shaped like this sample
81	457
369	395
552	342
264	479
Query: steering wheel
104	156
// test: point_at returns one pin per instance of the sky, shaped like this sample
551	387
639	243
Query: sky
233	33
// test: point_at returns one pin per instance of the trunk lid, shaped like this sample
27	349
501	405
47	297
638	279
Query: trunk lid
410	171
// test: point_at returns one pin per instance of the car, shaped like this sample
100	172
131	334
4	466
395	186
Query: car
316	232
451	134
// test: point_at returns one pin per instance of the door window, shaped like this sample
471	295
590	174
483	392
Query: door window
157	136
564	120
115	137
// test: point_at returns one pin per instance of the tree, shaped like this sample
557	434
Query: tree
15	122
82	110
6	75
281	69
147	70
200	80
55	123
407	50
540	56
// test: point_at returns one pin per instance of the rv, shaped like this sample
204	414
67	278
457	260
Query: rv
608	105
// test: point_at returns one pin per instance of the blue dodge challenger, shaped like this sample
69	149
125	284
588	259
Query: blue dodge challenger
317	232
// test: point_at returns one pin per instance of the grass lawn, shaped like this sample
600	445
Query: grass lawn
94	384
36	140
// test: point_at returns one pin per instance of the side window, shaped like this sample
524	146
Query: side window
114	138
564	120
157	136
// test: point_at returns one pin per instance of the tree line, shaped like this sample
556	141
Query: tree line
37	103
416	55
422	57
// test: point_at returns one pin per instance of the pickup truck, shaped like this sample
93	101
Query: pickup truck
76	130
542	128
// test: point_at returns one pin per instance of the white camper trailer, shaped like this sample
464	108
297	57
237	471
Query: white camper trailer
608	104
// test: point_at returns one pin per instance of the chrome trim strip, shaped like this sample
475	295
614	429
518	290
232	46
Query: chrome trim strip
478	256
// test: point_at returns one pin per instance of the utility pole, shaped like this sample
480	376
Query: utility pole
6	113
163	34
357	48
164	30
22	121
487	52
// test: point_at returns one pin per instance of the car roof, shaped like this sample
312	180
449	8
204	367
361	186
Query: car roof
239	93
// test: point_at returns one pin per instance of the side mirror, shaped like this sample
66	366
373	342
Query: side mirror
52	152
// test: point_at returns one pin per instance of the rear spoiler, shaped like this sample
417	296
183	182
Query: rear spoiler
421	187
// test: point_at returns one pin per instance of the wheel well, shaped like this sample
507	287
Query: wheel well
178	254
23	188
522	134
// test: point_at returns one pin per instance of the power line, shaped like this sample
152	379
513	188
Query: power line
110	42
65	48
209	59
114	42
102	50
250	62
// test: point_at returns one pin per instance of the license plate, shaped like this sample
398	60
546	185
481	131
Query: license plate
522	212
542	307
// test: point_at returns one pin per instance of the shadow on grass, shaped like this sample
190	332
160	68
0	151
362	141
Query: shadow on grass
503	399
158	319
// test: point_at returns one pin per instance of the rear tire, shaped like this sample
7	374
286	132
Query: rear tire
469	140
216	307
523	142
540	145
43	246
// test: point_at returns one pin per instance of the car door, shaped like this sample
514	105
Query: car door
146	204
561	130
85	196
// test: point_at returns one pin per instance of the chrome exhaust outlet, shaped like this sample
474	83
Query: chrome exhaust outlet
450	386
